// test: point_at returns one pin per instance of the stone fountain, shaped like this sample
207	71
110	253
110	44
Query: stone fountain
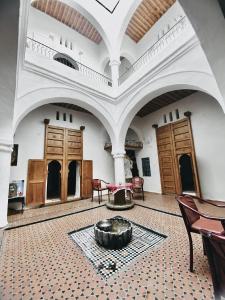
113	233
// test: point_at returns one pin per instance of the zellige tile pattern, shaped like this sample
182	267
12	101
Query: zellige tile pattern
40	262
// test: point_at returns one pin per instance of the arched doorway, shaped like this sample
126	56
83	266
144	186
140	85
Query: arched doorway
132	146
54	180
66	60
72	171
186	173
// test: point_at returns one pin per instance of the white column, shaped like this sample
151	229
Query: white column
5	159
119	167
115	72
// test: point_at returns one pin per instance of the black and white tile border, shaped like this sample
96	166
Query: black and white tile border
109	262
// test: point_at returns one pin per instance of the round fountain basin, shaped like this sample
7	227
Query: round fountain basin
113	233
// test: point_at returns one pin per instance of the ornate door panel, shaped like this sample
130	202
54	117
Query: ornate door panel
87	175
173	141
184	144
35	194
74	144
166	159
64	145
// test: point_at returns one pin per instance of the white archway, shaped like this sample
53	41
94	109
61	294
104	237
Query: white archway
42	96
198	81
126	21
92	19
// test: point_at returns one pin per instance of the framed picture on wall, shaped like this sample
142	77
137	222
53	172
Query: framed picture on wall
16	188
146	170
14	155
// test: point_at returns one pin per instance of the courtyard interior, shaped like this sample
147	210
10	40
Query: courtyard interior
39	260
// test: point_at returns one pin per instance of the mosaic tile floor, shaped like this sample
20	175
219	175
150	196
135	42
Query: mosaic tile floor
40	262
109	262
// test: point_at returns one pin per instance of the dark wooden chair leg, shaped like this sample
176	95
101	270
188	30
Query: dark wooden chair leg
108	196
143	195
191	252
203	244
98	197
92	198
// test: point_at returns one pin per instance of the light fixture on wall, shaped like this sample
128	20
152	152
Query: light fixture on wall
82	128
187	114
155	126
46	121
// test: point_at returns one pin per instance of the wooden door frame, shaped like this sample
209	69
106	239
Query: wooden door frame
175	160
64	158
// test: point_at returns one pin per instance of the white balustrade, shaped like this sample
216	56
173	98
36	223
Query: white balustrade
85	71
161	44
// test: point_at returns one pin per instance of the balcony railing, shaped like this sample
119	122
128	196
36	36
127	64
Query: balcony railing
85	71
166	39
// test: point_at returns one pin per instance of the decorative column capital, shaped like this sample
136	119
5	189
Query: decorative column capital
119	155
114	62
6	146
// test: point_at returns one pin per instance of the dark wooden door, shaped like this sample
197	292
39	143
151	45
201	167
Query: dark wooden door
86	177
64	145
35	194
175	140
166	159
184	145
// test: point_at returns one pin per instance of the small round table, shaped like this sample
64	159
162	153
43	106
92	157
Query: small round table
120	200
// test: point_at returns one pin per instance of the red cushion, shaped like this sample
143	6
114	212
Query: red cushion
208	225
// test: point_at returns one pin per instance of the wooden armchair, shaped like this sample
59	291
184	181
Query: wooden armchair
137	186
215	251
196	221
208	201
99	185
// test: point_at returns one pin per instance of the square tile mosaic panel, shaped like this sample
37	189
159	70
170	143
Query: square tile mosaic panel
109	262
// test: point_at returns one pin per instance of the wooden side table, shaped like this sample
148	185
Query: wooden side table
18	199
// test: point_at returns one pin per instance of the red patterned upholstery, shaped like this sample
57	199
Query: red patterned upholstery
138	183
97	185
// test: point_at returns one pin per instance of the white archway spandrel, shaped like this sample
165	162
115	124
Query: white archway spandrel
42	96
170	82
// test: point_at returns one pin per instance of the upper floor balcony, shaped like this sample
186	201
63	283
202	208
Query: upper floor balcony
58	61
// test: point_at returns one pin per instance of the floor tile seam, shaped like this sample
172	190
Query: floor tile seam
159	210
53	218
48	213
83	210
42	217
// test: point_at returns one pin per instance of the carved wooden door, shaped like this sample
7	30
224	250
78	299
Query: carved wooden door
87	175
36	182
166	159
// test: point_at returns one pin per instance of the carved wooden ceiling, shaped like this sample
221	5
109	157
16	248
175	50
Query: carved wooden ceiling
164	100
68	16
145	16
154	105
72	107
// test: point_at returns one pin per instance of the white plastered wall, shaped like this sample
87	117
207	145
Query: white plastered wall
48	31
208	124
30	137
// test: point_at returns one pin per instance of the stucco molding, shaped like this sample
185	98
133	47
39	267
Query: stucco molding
119	155
6	146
